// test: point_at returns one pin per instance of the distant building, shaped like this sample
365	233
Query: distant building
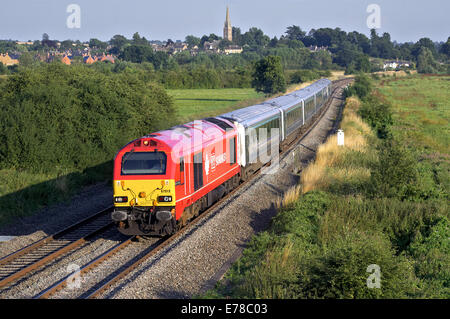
66	60
315	48
88	59
106	58
7	60
395	64
227	29
233	49
211	46
24	42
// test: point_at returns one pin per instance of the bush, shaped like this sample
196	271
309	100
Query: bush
56	117
341	270
431	250
361	87
378	115
395	174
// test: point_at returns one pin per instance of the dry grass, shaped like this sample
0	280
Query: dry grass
331	164
397	73
290	196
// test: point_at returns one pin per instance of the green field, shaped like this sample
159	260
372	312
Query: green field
199	103
421	106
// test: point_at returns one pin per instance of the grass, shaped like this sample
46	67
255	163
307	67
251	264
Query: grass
329	229
421	111
336	164
22	193
199	103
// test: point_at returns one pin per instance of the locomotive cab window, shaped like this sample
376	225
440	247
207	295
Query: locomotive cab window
144	163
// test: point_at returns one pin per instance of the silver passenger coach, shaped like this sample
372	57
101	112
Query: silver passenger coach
288	113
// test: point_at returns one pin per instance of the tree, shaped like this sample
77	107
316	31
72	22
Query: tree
137	53
426	62
423	43
47	42
3	68
295	33
362	63
26	59
237	36
137	40
274	42
66	45
97	44
192	41
324	58
224	44
268	75
117	42
255	37
445	48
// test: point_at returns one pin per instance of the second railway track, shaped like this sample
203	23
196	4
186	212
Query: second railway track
57	245
34	256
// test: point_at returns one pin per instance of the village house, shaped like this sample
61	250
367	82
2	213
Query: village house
211	46
24	42
395	64
315	48
7	60
88	59
66	60
233	49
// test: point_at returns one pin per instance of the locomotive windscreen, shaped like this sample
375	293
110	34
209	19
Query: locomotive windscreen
144	163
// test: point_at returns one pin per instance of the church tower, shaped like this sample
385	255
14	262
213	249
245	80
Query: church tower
227	30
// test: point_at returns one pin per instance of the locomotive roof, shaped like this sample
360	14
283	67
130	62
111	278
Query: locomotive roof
197	133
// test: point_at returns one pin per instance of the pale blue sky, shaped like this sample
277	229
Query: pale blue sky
163	19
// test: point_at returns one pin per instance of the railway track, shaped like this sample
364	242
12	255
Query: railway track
339	84
32	257
24	261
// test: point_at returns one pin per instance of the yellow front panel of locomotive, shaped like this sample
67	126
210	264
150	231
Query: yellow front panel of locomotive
144	192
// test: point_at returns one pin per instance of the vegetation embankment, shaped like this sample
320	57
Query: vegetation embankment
61	127
382	199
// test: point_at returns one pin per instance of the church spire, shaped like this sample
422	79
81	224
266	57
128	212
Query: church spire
227	30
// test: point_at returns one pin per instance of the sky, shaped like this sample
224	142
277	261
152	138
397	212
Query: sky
405	20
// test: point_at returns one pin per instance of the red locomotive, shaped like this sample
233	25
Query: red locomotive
164	179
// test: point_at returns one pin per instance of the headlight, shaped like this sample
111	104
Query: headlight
121	199
164	199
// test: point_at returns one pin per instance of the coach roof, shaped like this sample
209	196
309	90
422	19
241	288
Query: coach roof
250	115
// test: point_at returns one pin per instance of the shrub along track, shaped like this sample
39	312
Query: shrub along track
152	247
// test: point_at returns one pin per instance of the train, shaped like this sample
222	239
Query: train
164	179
